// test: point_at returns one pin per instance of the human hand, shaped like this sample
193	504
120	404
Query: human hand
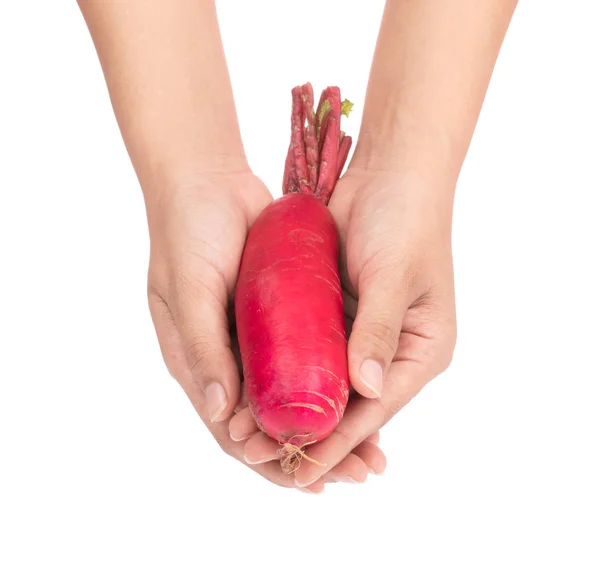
396	271
197	234
397	277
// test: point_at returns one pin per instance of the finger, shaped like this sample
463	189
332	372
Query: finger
363	417
269	470
260	448
354	468
316	488
200	315
382	303
372	456
373	438
243	401
242	425
172	350
169	339
351	469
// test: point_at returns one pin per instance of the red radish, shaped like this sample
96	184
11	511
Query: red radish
288	301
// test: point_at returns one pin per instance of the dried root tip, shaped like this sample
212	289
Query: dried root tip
292	455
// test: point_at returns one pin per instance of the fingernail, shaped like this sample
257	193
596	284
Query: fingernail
216	400
238	436
309	491
260	460
346	479
301	485
373	471
371	374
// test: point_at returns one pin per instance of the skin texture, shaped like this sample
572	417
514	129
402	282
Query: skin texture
394	206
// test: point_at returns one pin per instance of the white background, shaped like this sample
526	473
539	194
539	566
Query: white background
104	464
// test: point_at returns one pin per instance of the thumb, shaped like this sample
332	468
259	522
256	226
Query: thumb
201	320
373	343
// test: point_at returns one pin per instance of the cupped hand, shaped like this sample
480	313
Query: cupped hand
197	234
397	277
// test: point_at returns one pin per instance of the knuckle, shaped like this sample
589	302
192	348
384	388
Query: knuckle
446	356
439	326
385	265
395	406
446	347
397	403
174	369
198	274
185	287
224	444
383	413
382	335
344	437
198	354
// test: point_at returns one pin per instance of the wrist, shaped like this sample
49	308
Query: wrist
234	187
419	152
166	180
427	201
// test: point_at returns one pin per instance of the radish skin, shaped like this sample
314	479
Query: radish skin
291	330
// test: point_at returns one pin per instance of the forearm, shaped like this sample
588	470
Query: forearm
431	69
168	81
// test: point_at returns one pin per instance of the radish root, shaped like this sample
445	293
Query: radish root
292	455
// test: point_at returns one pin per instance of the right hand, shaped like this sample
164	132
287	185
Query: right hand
197	235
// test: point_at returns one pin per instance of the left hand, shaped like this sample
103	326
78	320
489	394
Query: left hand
397	277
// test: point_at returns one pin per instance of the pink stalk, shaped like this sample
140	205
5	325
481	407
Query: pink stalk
343	152
289	173
298	148
328	97
329	150
310	136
